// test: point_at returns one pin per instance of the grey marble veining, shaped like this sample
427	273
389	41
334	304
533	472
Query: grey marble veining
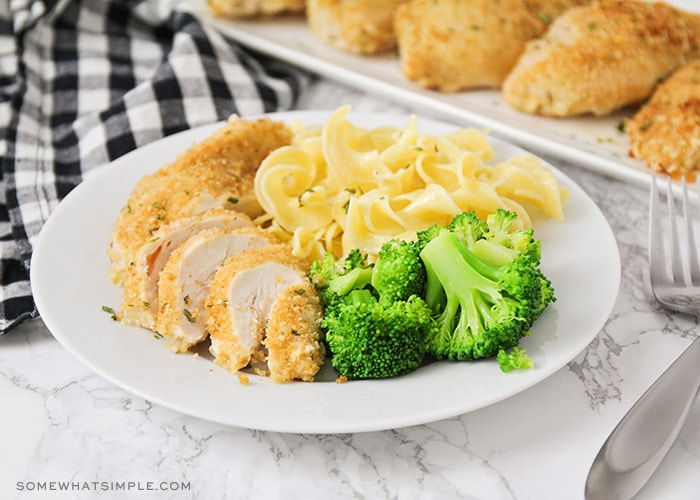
61	422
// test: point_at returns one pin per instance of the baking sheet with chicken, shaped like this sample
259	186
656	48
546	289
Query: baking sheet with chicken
596	139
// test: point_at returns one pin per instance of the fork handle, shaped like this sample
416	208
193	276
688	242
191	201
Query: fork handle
639	443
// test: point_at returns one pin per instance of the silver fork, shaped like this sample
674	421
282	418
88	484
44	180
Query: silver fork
641	440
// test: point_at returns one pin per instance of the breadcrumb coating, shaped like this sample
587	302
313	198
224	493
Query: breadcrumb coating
599	58
293	337
665	132
219	172
140	301
240	299
184	281
450	46
357	26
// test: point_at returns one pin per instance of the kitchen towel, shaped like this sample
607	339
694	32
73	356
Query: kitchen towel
84	81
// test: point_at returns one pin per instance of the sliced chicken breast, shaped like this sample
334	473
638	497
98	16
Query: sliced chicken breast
184	281
598	58
140	303
241	297
219	172
293	337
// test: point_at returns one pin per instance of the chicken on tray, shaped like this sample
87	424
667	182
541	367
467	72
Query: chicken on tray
187	231
358	26
599	58
665	132
245	8
451	46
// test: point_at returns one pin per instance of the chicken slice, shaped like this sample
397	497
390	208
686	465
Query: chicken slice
665	132
599	58
246	8
357	26
451	46
293	338
219	172
140	302
241	297
184	281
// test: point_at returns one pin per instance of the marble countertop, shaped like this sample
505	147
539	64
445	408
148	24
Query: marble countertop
63	423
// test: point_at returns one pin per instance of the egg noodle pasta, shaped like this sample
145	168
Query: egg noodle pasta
339	186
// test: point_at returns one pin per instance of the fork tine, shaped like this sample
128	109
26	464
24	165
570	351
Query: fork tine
657	255
693	264
674	243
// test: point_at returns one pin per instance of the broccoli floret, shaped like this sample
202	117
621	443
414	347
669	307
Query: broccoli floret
334	279
425	236
373	339
355	259
467	291
500	244
516	359
482	304
468	227
398	272
375	320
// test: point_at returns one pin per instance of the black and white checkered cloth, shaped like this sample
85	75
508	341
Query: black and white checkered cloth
85	81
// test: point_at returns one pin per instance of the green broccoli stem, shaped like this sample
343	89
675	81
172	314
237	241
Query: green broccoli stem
463	279
456	271
354	279
360	296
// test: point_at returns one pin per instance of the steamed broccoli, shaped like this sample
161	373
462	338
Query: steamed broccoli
398	272
467	291
516	359
334	279
484	285
369	338
375	321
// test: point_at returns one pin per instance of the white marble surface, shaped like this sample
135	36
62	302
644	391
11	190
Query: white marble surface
62	423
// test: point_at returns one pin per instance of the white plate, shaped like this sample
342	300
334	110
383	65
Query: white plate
69	275
591	142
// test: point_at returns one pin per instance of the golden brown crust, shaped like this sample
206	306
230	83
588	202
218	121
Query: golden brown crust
174	307
293	336
358	26
140	301
451	46
665	132
246	8
231	348
599	58
217	172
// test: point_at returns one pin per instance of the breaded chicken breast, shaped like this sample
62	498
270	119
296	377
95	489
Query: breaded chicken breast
246	8
665	132
599	58
451	46
293	339
184	281
140	303
219	172
358	26
242	296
